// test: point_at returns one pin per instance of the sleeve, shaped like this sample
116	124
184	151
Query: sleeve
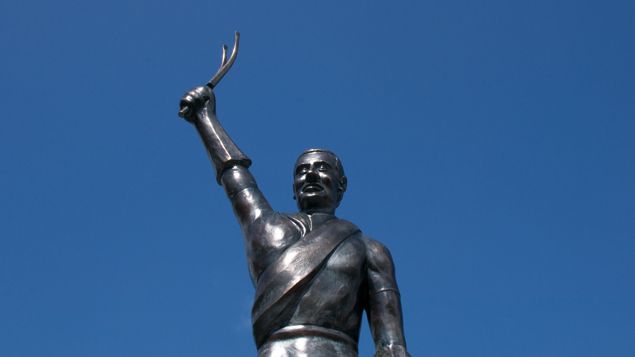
248	202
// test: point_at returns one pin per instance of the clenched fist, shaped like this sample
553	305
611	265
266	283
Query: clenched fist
197	100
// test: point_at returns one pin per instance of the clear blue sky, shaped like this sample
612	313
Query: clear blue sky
489	144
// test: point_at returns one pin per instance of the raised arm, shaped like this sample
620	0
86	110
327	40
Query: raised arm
198	107
384	305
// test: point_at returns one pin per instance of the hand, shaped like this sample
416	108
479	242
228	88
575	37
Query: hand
195	101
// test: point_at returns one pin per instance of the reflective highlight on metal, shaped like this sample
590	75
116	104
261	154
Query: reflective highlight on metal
314	273
225	64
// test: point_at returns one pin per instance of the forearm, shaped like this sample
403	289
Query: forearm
222	150
386	321
231	166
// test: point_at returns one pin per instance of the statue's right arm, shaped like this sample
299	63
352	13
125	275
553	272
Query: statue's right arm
232	165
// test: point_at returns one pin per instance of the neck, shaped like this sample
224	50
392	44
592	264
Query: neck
311	211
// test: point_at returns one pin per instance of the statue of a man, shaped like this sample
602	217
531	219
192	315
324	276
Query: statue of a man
314	273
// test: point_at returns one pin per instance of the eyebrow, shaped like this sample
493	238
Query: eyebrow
305	165
320	162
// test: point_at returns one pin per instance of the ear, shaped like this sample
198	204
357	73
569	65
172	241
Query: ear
343	183
293	189
342	188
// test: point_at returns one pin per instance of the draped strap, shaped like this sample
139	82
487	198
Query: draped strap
282	282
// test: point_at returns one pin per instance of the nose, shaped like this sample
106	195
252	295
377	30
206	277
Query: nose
312	176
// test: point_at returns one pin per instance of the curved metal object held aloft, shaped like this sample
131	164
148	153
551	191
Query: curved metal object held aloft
225	64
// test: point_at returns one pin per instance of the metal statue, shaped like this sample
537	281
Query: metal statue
314	273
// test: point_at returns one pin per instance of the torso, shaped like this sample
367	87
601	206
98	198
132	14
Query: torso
336	292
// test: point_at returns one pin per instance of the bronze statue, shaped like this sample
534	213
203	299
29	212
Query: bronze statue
314	273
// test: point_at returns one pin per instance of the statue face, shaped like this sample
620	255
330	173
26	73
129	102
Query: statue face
317	184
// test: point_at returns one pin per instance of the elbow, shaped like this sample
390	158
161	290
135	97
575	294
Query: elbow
392	350
237	179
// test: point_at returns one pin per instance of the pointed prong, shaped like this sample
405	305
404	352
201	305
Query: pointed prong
224	58
236	40
225	65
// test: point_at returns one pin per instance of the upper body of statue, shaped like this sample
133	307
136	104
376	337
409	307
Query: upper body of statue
314	273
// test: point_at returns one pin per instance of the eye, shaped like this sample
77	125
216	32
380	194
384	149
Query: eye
302	169
323	166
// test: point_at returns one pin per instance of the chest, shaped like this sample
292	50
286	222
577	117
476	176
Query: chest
348	260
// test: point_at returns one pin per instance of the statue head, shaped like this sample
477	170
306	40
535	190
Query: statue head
319	182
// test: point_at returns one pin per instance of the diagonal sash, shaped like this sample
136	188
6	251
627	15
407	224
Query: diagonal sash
290	272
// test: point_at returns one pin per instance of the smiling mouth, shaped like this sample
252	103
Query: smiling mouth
313	187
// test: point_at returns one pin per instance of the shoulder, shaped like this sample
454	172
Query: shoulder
272	230
376	252
380	267
273	218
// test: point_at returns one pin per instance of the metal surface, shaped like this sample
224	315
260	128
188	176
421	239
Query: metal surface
225	64
314	274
